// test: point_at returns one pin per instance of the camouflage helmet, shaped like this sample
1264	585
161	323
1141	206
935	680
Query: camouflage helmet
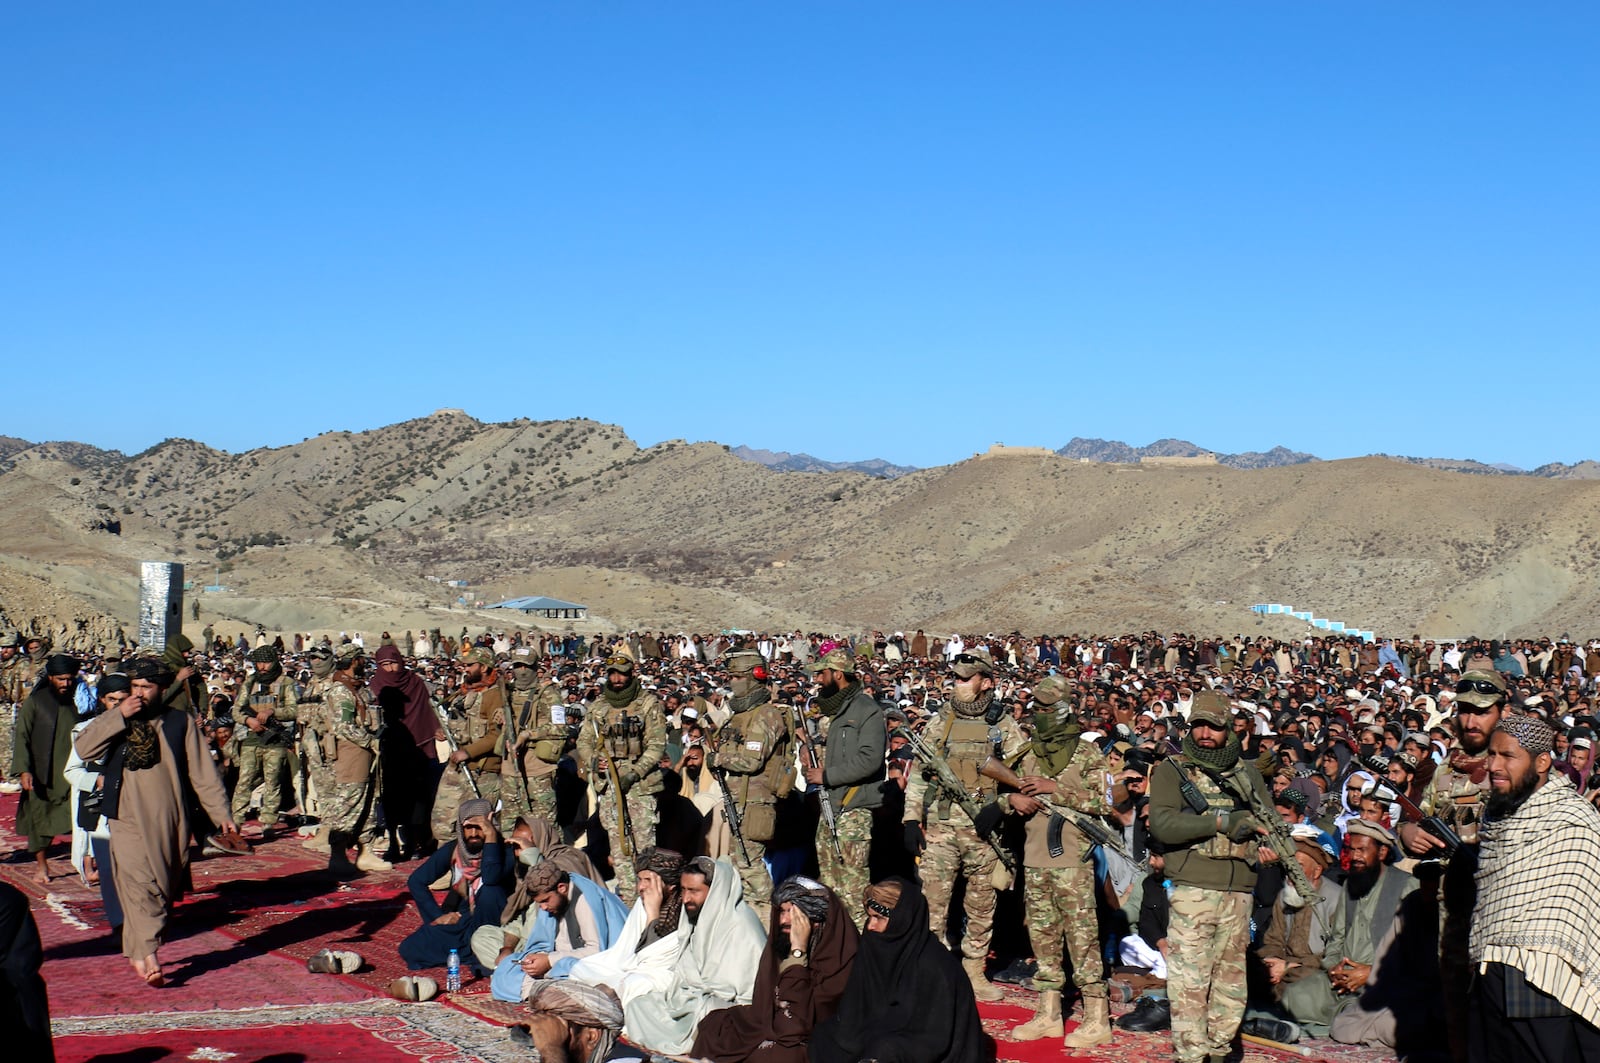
743	662
969	663
1051	689
10	641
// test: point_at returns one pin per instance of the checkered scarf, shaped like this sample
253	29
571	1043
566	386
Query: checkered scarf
1537	907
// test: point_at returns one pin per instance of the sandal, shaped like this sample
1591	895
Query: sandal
329	961
413	988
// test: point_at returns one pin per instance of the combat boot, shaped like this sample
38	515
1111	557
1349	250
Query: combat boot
982	988
1095	1029
1046	1021
367	860
318	842
339	855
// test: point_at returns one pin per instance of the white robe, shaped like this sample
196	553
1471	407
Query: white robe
629	970
717	969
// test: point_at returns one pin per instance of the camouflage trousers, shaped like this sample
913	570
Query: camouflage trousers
263	766
756	878
347	809
514	802
850	877
1207	933
454	789
955	850
1060	906
642	816
323	783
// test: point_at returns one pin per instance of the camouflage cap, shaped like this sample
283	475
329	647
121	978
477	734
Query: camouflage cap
620	662
1051	689
972	662
346	652
10	641
476	655
743	662
837	659
1469	688
264	655
1211	708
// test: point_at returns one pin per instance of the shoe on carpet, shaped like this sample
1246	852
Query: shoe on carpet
413	987
1280	1030
330	961
1017	972
9	787
1150	1015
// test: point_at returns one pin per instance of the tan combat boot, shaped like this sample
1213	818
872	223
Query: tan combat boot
982	988
318	842
367	860
1095	1029
1046	1021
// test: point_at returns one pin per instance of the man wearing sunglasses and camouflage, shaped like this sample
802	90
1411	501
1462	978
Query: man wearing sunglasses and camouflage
1457	795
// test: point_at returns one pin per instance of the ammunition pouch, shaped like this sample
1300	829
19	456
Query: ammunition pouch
760	822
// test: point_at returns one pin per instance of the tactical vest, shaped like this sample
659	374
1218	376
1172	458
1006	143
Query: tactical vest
623	733
768	784
966	745
1218	802
1459	801
540	712
278	732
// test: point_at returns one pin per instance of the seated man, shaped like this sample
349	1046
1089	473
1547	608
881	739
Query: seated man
570	917
907	999
810	948
1383	924
479	876
1293	950
717	968
647	949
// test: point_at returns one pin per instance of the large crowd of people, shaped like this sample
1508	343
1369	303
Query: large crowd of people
741	846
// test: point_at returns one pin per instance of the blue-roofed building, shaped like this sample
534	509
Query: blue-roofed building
549	608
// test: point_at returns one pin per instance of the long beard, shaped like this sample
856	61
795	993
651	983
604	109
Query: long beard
1360	883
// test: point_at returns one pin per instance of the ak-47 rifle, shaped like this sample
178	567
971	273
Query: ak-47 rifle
1093	830
946	778
624	821
810	737
450	740
1432	824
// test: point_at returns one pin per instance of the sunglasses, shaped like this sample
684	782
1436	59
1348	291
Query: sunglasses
1478	686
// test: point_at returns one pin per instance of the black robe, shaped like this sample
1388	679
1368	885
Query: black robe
907	1001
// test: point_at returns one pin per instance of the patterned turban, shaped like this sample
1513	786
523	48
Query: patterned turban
1532	733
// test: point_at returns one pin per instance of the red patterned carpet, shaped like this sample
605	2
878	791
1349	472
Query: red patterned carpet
238	988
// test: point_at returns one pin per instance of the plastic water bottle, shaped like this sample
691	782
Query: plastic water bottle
452	973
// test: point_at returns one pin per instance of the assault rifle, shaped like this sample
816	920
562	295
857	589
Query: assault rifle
730	812
946	778
624	821
443	716
810	737
1092	829
1435	826
1276	837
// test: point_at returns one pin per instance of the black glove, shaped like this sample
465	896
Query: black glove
989	817
1242	826
915	842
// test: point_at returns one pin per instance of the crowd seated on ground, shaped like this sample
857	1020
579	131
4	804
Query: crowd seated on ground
1367	748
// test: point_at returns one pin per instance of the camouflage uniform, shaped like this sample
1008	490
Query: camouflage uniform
853	772
753	750
533	737
953	846
1059	894
263	756
633	737
475	726
355	742
317	748
1212	880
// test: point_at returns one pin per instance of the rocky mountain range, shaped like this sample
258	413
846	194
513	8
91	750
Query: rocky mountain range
364	529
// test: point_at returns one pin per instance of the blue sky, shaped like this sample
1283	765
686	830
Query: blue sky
854	229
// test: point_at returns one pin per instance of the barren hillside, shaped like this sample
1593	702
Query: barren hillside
343	530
